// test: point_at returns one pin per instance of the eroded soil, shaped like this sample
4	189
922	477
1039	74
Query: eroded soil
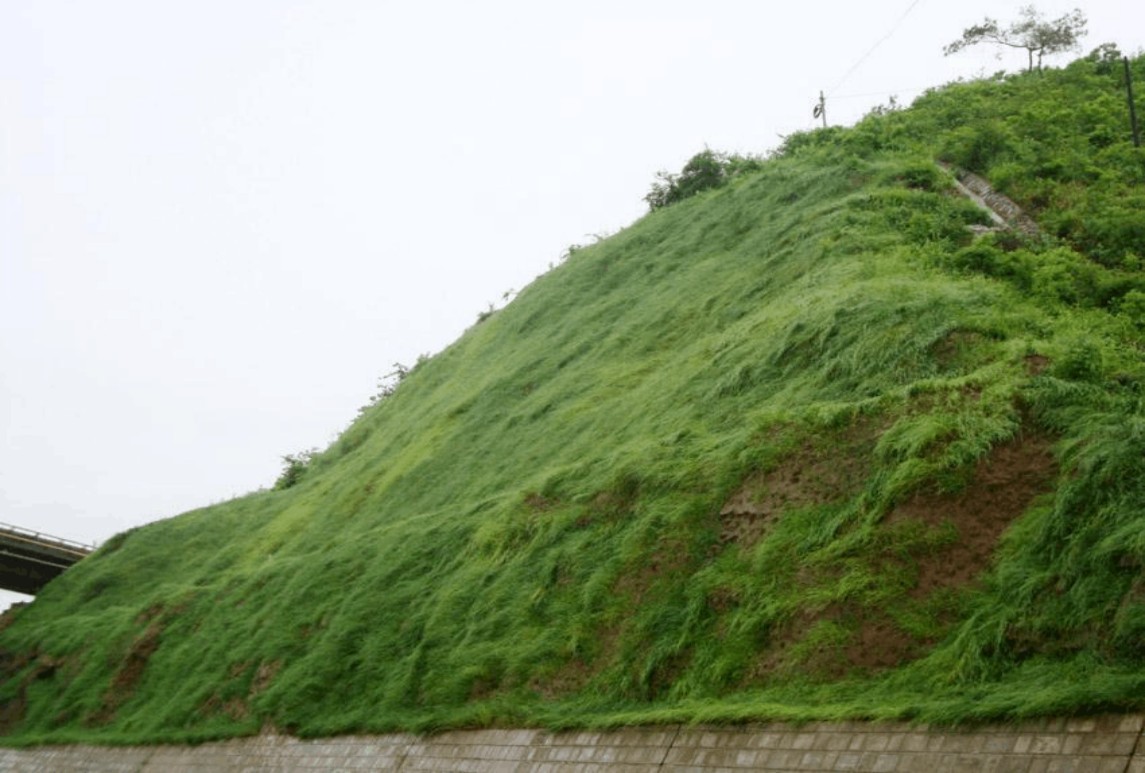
955	537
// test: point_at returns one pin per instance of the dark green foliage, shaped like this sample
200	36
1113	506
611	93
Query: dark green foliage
685	474
294	466
704	171
979	145
1106	58
1057	143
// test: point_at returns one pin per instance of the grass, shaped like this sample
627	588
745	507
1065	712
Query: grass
535	528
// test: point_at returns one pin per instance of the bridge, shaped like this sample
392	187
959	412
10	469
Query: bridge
29	559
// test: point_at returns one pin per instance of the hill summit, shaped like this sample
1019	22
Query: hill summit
819	441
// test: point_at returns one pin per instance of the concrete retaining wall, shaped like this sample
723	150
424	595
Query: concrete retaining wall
1002	210
1101	745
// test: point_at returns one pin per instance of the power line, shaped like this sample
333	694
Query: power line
878	43
882	93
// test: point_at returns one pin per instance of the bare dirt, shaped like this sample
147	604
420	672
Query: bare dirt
820	471
238	708
958	349
42	666
955	533
130	672
962	529
1004	483
1036	364
572	676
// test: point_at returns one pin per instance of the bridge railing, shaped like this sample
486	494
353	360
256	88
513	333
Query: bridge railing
79	549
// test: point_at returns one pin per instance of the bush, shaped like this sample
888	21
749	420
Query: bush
977	147
1081	360
1105	59
294	466
706	170
798	142
1132	306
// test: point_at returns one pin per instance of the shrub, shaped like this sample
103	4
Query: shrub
1062	275
797	142
977	147
706	170
1081	360
294	466
1133	307
1105	59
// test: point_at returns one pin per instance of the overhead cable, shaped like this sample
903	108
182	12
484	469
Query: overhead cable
878	43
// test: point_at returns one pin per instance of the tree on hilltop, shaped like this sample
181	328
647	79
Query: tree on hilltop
1031	31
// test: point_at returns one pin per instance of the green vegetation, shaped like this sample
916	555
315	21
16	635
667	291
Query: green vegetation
294	466
800	445
704	171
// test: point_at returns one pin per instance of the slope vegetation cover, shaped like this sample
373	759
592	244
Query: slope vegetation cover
803	445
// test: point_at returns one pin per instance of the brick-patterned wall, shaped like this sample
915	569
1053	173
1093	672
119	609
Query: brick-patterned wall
1102	745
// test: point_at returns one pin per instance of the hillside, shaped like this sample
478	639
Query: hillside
803	445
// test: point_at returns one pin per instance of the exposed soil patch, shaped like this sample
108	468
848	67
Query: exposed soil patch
539	503
1036	364
879	643
667	562
131	670
1004	483
13	710
264	676
873	642
663	566
574	675
43	666
238	708
566	680
820	471
782	655
960	350
9	615
955	535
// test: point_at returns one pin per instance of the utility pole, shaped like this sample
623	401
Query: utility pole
1132	107
820	110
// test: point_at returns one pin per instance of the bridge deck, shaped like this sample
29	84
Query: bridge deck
30	559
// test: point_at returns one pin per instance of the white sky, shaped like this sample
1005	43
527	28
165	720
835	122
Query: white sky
221	222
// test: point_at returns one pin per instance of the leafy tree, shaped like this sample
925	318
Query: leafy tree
1031	31
1106	58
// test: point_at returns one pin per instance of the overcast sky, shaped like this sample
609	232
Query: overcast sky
222	222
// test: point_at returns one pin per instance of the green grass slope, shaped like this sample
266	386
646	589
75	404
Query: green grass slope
800	446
